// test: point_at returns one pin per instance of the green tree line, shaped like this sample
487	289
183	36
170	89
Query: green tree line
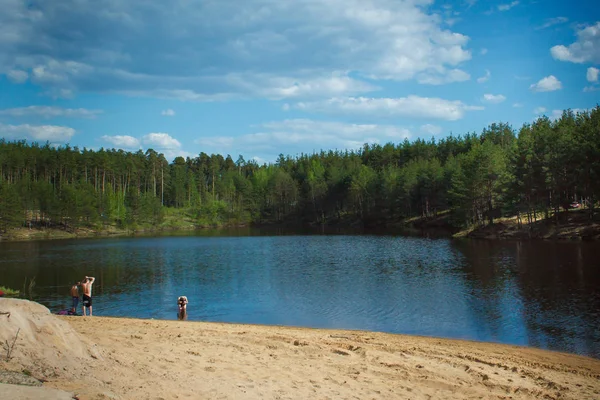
534	172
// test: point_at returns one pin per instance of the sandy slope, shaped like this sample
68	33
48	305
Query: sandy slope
20	392
151	359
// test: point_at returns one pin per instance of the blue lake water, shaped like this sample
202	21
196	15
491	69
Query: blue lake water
540	294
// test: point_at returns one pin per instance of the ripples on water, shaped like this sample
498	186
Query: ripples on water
540	294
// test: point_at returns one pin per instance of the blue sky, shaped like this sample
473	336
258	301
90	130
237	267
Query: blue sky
263	77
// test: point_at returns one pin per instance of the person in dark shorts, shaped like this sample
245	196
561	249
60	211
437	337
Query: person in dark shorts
86	284
75	296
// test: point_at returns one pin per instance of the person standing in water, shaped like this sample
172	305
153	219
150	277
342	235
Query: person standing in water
86	284
75	296
182	302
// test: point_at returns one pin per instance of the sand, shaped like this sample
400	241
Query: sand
21	392
121	358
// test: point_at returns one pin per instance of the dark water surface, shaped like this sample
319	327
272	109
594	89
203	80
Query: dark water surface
542	294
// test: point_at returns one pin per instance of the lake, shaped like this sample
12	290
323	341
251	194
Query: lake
541	294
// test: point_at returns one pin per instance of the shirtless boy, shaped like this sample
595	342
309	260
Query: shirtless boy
86	284
75	296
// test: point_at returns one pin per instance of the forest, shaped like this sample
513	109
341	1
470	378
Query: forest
535	171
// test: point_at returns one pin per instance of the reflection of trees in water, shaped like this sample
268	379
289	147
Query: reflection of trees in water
53	270
494	299
26	256
563	281
558	285
120	268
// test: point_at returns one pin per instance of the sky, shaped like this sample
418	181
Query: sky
262	77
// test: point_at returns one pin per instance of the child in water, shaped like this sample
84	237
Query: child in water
182	302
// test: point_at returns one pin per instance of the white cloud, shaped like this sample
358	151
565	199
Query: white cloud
218	142
592	74
592	77
161	141
249	85
50	112
493	98
506	7
455	75
449	16
124	142
38	133
168	113
411	106
517	105
451	21
431	129
181	95
556	114
171	154
277	88
152	140
552	21
483	51
259	160
346	131
294	136
59	93
213	51
585	49
17	76
579	110
484	78
547	84
59	74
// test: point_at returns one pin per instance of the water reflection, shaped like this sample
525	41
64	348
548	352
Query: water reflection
531	293
542	294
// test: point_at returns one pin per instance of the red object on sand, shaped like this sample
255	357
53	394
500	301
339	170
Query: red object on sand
1	293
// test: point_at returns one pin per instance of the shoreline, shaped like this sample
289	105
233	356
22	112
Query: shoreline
576	228
335	332
128	358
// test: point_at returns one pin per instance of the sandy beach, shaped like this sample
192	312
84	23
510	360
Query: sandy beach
122	358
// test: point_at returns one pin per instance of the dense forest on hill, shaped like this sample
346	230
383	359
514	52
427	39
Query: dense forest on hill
473	178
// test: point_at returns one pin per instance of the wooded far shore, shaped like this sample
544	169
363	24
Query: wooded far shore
541	180
577	226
